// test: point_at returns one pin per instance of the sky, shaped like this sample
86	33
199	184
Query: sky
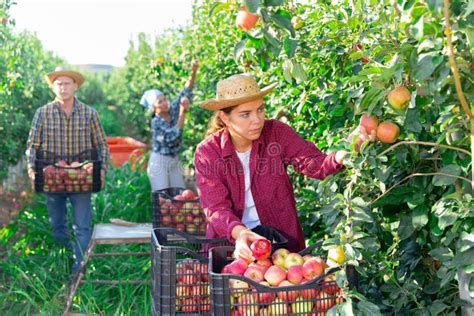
97	31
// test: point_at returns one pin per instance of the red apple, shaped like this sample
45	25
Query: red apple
188	195
254	273
312	269
274	275
264	297
293	259
261	249
278	257
245	20
238	266
191	228
308	292
323	302
247	306
295	274
279	307
370	123
266	263
287	296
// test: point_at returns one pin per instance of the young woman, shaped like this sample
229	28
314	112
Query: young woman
166	134
241	167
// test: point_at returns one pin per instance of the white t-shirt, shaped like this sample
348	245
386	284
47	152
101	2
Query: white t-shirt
250	218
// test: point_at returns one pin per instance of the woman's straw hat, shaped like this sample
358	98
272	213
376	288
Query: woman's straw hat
235	90
59	72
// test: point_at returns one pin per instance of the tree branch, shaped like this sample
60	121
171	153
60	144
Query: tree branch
421	175
416	142
452	61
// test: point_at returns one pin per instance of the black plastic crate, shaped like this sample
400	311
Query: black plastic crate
184	215
233	294
68	173
179	272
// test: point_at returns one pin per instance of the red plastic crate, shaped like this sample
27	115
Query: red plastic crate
121	148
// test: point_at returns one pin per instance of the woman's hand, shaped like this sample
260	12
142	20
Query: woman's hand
184	105
340	155
194	66
362	136
242	242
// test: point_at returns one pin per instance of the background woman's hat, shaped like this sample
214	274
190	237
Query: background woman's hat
235	90
59	72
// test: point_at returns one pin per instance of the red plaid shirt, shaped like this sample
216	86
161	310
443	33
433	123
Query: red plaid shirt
220	179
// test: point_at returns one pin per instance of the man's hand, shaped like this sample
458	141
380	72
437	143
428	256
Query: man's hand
102	178
31	175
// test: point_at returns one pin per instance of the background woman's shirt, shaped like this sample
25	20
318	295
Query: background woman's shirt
166	136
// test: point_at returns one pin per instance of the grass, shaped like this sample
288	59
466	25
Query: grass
34	271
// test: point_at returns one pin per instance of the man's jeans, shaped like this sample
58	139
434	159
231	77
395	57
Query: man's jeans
82	220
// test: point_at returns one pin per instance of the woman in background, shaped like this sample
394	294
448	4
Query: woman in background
166	133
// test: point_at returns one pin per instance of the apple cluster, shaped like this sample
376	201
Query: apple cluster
192	287
183	212
62	177
294	273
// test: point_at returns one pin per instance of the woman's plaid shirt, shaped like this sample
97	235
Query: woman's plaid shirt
53	131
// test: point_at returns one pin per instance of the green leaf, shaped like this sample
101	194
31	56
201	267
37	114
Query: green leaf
239	49
437	307
369	309
469	9
405	228
469	31
440	180
420	217
252	5
464	258
298	73
371	99
432	288
412	121
269	37
217	7
282	19
346	309
442	254
435	5
290	46
287	69
273	3
426	65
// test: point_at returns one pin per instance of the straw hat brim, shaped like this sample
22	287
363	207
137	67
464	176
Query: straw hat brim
214	104
74	75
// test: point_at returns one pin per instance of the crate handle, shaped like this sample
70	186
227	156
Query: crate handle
69	167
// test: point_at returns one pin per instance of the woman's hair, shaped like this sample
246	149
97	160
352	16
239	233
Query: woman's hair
216	124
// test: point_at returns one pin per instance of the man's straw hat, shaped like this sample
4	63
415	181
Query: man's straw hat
59	72
235	90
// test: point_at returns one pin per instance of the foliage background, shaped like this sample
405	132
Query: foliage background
404	214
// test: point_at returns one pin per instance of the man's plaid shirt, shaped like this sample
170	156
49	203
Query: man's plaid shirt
55	132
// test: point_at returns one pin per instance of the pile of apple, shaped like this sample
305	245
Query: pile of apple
192	287
62	177
282	269
186	216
